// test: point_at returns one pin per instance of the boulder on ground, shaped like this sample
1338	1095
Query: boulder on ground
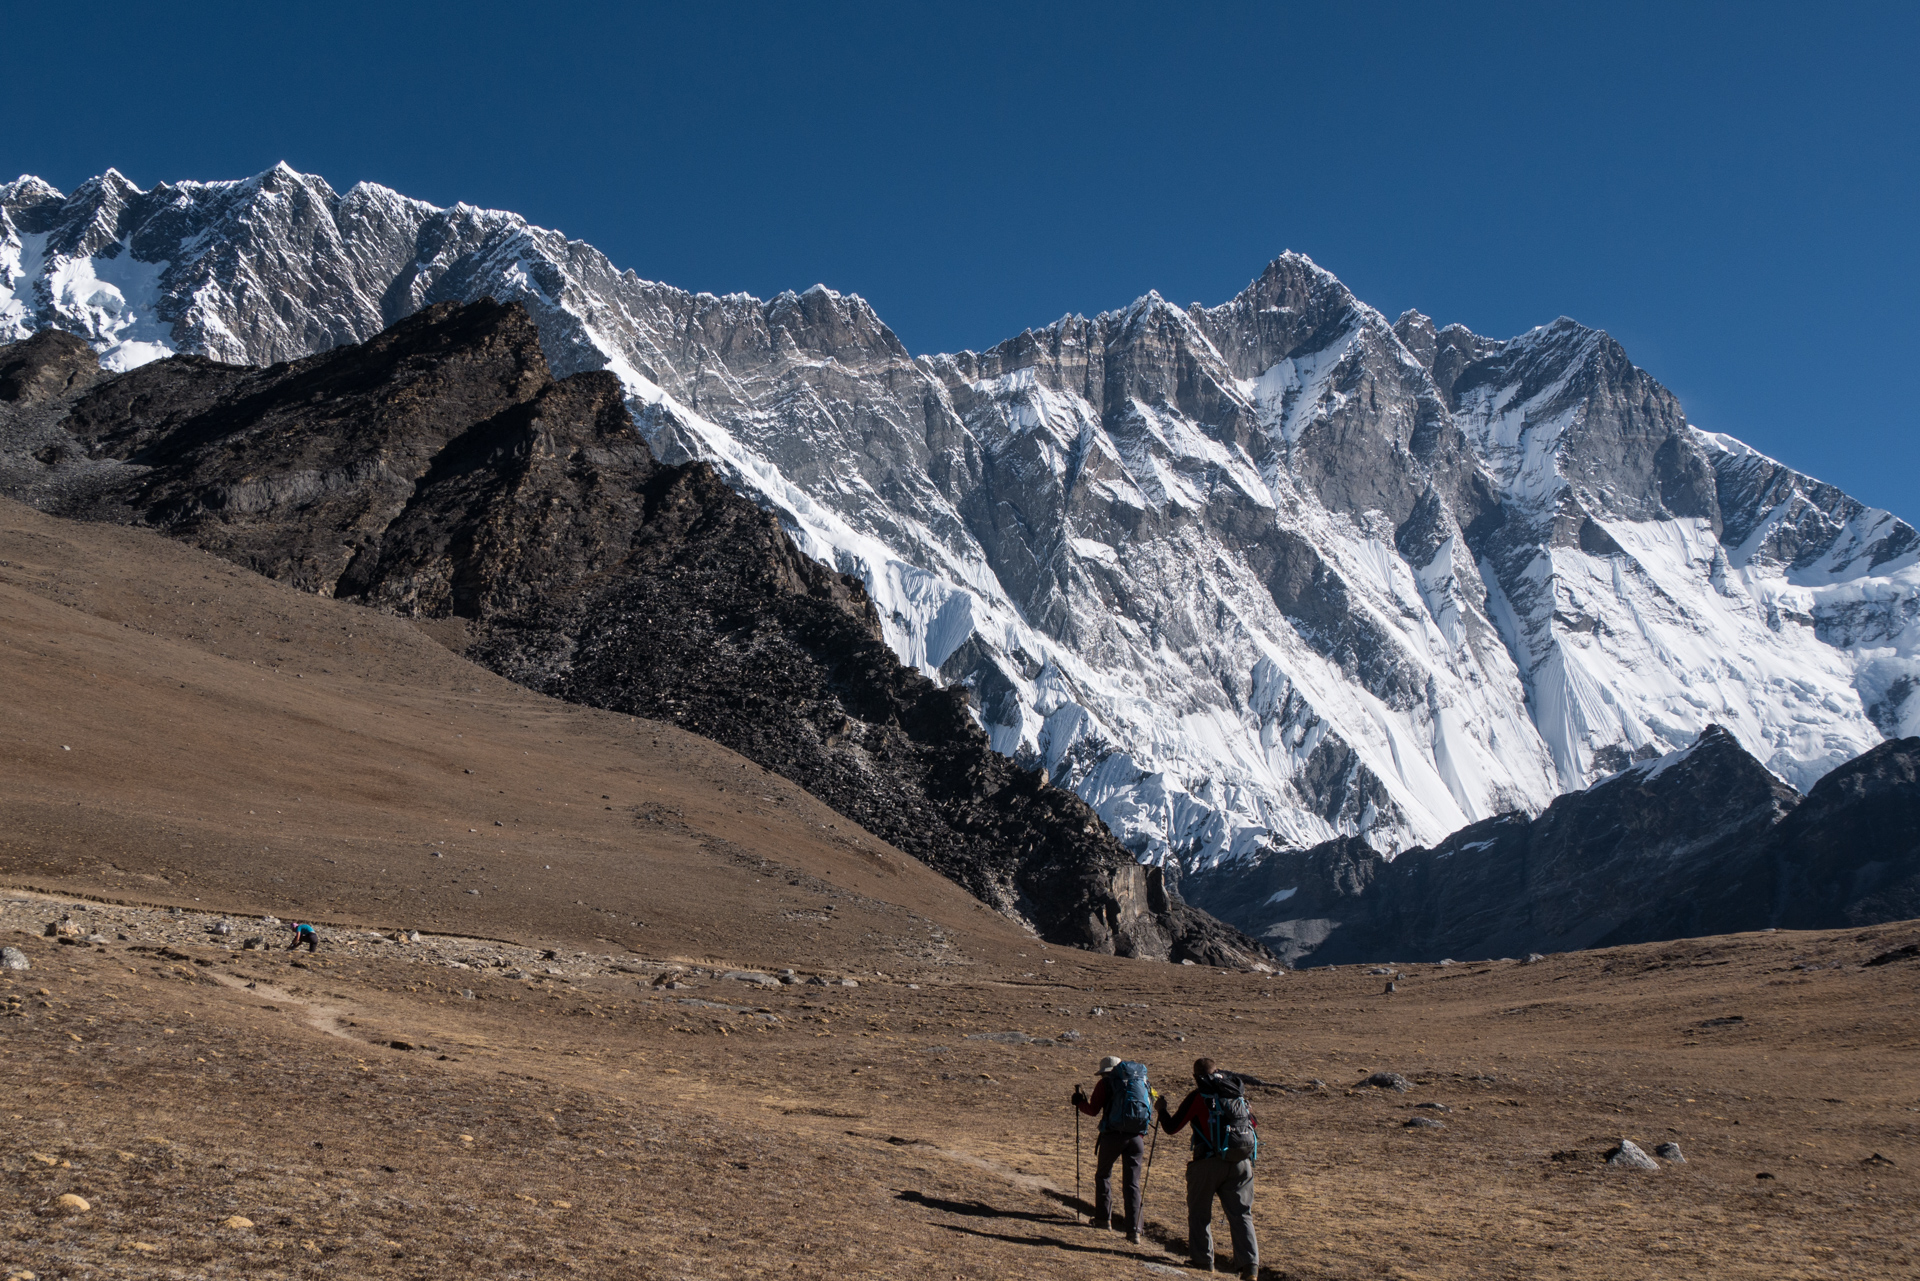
237	1222
1670	1152
1389	1081
1628	1156
69	1203
12	958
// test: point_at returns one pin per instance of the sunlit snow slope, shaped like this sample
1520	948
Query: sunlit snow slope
1257	573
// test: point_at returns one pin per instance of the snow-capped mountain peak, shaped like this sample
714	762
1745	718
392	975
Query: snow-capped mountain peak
1250	574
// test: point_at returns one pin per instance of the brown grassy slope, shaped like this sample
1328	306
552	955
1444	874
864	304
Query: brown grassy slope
617	1128
177	730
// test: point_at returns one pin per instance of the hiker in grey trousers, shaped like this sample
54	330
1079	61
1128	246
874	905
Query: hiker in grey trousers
1129	1149
1210	1174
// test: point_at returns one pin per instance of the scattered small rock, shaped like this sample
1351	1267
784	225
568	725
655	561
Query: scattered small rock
400	1045
12	958
1423	1123
753	977
1629	1156
1876	1160
1389	1081
1763	1175
1069	1035
1670	1152
1906	953
69	1203
1533	958
237	1222
1380	969
1010	1038
1437	1107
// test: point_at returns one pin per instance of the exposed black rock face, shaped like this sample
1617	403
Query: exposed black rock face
1701	841
439	470
1850	854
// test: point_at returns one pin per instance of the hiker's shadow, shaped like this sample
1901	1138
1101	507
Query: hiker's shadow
1156	1232
1051	1243
975	1209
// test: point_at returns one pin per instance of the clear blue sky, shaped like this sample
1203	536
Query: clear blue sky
1729	189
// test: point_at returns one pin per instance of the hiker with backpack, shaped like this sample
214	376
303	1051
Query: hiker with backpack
1225	1144
1124	1103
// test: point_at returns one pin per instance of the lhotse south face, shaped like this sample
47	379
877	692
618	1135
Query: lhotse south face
1243	577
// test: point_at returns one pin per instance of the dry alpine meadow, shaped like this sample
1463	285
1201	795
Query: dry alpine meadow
595	997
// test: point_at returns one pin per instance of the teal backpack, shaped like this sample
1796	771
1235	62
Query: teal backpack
1129	1101
1228	1131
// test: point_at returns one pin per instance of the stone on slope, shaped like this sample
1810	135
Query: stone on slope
1628	1156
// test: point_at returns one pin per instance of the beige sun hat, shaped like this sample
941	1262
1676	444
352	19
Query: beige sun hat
1108	1064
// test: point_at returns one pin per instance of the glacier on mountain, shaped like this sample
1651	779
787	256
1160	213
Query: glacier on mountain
1247	575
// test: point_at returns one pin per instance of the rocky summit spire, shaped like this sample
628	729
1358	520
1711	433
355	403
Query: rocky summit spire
1244	576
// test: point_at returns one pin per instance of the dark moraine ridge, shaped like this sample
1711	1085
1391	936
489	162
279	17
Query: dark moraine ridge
1701	841
440	471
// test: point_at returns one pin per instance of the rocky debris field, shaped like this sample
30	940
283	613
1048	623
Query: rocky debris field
179	1105
101	925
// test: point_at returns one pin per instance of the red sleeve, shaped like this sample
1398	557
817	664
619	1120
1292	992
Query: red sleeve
1192	1109
1097	1100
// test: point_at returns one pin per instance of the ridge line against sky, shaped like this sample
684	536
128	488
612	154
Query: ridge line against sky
1727	189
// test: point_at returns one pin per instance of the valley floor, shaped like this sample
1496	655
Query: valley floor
373	1111
524	1092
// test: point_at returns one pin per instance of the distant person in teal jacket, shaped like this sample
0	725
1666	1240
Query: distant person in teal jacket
303	934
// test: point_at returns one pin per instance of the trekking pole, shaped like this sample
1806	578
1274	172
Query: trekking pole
1147	1178
1076	1163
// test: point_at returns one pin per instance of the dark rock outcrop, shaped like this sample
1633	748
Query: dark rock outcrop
1701	841
438	470
1850	854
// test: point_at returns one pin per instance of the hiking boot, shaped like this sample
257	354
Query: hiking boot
1103	1225
1133	1238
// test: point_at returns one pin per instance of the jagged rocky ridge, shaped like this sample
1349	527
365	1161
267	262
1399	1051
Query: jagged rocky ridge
1705	840
1244	577
440	471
